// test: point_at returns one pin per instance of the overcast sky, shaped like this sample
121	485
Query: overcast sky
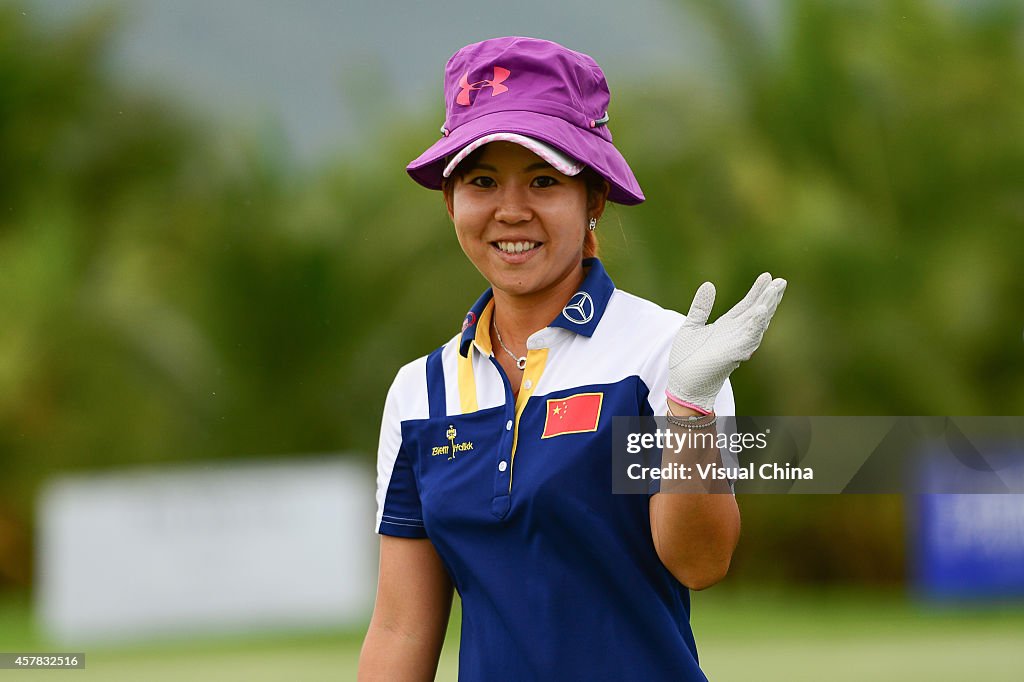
328	71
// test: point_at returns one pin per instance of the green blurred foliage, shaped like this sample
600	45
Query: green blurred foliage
872	154
173	292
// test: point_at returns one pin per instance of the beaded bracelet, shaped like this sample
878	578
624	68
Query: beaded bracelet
691	423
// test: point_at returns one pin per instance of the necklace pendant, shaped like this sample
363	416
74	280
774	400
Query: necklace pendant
520	362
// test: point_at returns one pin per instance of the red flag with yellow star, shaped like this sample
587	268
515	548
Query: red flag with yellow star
574	414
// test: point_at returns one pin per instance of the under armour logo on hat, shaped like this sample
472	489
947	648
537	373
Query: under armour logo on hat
494	84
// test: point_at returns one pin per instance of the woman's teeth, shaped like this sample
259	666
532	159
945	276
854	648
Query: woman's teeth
517	247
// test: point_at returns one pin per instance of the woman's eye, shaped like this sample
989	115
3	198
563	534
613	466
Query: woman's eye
482	181
544	181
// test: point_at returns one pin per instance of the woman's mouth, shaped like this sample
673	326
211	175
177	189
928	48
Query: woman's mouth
516	247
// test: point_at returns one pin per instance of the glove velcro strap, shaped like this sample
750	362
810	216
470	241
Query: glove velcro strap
680	401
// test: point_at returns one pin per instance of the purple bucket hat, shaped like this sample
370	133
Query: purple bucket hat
530	87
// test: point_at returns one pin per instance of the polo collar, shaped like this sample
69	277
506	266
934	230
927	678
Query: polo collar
581	314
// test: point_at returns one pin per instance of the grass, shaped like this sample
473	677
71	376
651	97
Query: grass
742	635
842	636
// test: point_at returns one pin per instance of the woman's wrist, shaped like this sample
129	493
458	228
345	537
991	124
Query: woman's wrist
678	410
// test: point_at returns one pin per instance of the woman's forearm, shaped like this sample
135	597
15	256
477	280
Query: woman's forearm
410	617
392	654
695	523
695	535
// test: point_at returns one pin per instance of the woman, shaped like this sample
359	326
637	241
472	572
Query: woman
495	455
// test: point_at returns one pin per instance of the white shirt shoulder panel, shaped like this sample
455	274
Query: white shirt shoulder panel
407	399
653	330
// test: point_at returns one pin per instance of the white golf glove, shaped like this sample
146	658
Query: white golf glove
704	355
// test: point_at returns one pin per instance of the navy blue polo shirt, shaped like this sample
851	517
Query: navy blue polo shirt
559	578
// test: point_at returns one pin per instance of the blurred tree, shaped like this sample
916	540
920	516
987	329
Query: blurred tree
873	154
77	159
173	292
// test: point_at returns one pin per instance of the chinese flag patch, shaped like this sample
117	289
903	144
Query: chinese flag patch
574	414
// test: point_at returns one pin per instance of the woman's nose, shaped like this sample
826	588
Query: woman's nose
513	206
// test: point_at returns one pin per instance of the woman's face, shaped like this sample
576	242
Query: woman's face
520	221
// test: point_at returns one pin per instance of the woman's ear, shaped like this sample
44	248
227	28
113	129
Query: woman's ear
597	196
449	202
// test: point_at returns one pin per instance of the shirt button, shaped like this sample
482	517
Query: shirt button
508	425
502	465
527	384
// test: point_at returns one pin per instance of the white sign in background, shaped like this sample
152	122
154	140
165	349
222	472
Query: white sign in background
217	548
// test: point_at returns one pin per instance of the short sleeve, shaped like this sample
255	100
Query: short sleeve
398	500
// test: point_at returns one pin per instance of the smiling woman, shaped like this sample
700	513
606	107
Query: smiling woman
495	462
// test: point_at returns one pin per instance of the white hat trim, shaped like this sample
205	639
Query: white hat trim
559	161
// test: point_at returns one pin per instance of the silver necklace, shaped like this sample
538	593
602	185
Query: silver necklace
520	362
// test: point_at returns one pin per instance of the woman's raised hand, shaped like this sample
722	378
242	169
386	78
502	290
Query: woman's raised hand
704	355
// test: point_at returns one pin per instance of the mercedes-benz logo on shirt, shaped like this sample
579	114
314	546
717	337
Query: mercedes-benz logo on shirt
580	308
